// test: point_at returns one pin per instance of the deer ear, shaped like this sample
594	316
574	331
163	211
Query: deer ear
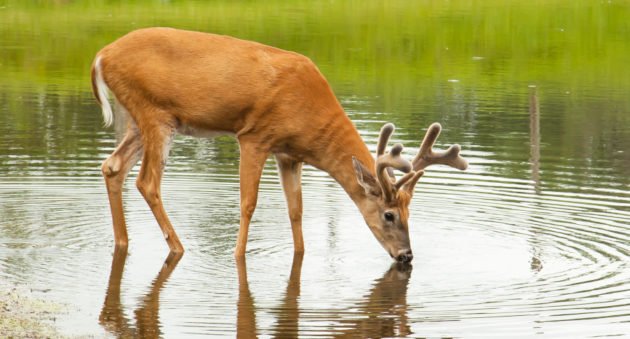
366	179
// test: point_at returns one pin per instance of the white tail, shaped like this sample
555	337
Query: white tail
274	102
102	93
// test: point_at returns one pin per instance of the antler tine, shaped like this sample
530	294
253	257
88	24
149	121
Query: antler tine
426	156
383	138
411	181
391	159
403	180
383	163
394	160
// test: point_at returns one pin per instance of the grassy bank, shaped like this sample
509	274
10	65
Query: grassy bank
351	40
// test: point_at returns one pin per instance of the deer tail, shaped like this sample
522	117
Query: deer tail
101	92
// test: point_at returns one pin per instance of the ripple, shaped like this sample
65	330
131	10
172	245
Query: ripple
491	249
580	239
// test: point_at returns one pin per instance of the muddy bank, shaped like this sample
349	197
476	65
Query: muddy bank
24	316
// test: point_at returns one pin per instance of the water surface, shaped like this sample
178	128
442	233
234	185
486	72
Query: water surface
532	240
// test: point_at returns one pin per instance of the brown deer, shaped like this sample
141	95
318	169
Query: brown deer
273	101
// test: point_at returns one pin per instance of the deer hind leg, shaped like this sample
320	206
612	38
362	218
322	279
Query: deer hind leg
115	170
157	141
291	178
252	161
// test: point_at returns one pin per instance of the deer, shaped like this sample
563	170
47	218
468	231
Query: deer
166	81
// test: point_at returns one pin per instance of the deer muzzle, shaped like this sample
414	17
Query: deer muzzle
404	256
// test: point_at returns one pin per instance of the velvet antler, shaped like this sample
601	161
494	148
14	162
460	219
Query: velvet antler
426	156
408	181
384	161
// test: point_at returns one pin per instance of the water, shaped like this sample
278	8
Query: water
532	240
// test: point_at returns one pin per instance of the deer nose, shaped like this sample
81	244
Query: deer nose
404	256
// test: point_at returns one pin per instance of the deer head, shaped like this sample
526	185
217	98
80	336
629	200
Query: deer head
386	207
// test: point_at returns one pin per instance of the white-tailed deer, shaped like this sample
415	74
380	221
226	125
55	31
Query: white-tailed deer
274	102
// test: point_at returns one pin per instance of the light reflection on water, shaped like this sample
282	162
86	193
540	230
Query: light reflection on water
533	239
492	251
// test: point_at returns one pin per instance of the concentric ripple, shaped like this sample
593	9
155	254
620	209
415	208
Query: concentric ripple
494	254
526	242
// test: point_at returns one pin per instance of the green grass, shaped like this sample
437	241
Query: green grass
360	45
398	55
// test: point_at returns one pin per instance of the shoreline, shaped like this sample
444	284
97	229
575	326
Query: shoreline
25	316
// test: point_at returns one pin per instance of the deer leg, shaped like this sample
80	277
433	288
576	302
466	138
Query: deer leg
291	178
157	142
115	170
252	161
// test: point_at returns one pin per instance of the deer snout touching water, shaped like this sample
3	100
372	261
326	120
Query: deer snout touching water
168	81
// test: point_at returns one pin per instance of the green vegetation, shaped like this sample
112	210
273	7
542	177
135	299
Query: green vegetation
367	44
468	63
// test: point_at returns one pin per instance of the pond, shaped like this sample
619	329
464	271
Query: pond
532	240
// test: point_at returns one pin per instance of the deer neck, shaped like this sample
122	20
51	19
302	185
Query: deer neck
335	158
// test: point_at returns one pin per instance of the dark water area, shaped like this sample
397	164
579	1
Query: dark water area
531	241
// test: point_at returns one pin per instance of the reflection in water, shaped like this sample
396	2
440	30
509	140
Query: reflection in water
113	317
289	312
534	138
381	313
246	309
534	159
546	243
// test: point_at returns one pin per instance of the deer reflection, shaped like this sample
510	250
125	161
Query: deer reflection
382	313
246	311
289	312
147	324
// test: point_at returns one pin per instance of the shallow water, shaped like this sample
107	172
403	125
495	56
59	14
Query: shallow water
532	240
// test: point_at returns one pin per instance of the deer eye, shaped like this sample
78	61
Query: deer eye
389	216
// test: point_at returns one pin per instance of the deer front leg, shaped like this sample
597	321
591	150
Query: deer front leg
156	142
115	170
291	178
252	161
